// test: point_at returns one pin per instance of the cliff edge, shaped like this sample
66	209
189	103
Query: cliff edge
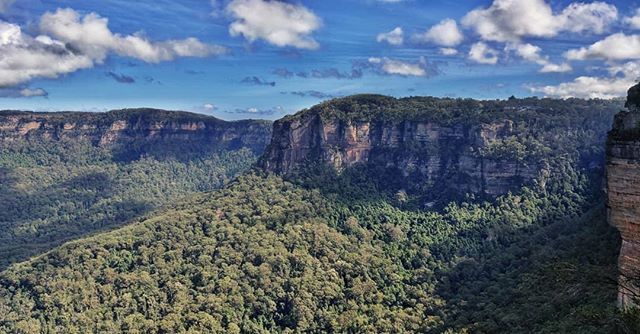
440	145
623	191
136	132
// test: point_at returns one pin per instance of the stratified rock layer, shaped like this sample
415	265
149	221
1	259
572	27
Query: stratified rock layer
122	128
623	189
436	154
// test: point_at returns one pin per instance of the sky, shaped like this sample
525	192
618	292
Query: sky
237	59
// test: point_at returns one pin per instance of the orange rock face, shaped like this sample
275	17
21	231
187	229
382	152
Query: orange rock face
623	191
427	151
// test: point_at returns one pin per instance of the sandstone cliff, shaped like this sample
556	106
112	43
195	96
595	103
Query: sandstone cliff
135	129
623	189
486	148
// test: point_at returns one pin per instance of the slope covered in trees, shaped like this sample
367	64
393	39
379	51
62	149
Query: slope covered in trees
326	251
65	175
266	255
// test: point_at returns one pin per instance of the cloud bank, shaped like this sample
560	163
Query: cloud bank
70	42
511	20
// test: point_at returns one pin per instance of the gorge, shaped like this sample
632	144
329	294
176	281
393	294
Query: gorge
363	214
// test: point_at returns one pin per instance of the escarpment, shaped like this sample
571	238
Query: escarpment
136	129
623	189
485	148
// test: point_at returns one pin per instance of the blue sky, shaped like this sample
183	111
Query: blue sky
263	59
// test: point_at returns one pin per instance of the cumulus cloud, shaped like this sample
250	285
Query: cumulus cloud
510	20
448	51
532	53
634	21
483	54
279	23
71	42
373	65
23	58
445	33
28	92
393	37
91	36
618	46
16	92
209	107
386	65
593	17
620	78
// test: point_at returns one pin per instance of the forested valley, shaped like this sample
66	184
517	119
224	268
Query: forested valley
318	249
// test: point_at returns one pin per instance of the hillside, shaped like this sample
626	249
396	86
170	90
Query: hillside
332	250
439	150
66	175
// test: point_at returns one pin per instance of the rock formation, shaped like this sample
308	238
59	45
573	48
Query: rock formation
623	190
121	128
439	153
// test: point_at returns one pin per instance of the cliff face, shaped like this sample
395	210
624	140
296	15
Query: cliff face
432	153
623	190
123	128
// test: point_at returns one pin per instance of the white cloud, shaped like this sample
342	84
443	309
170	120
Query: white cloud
398	67
510	20
91	35
29	92
209	107
634	21
445	33
483	54
5	4
71	42
531	53
23	58
21	91
448	51
279	23
555	68
393	37
615	47
616	85
593	17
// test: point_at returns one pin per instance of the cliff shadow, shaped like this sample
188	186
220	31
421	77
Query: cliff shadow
541	279
180	150
371	182
33	221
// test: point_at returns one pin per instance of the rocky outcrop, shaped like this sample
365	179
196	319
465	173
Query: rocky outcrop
623	191
122	128
434	154
633	98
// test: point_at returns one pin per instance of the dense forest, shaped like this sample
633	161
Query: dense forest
58	185
266	255
325	251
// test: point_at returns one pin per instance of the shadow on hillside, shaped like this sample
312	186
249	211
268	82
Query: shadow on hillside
185	150
33	221
551	279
